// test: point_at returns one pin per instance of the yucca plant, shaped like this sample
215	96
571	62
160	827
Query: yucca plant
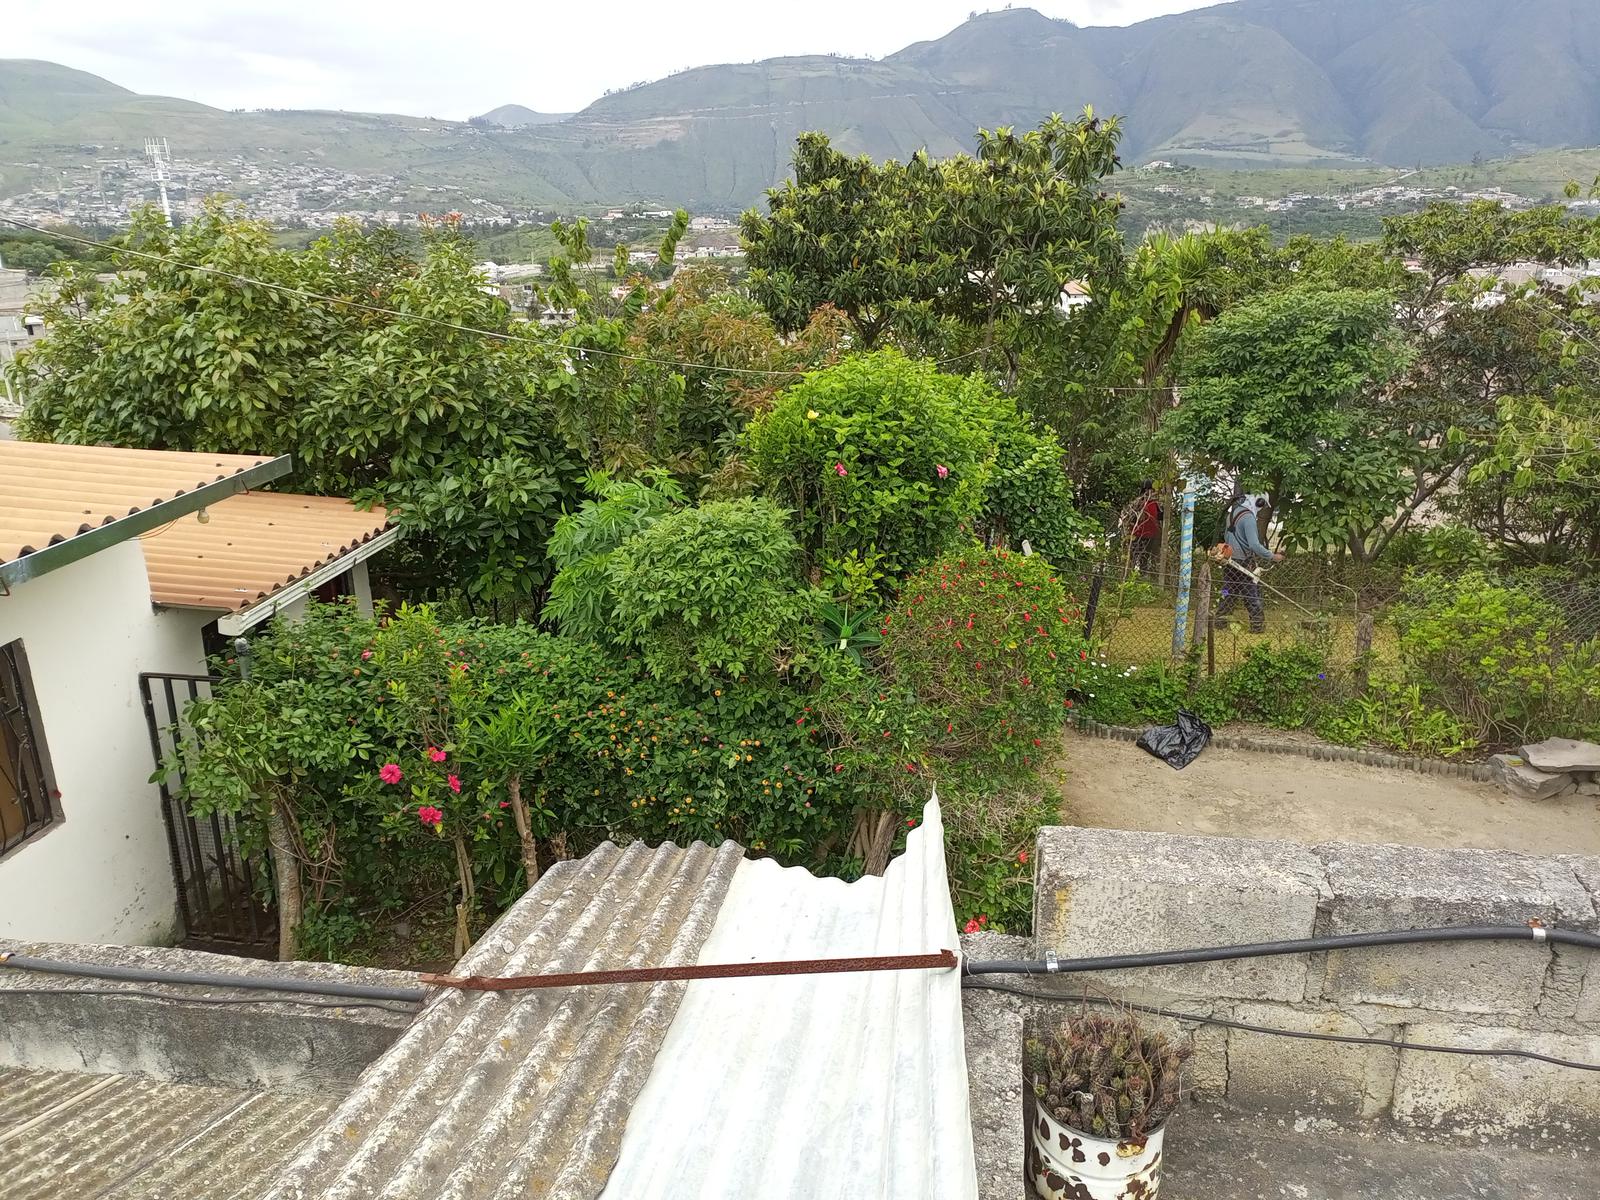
1105	1074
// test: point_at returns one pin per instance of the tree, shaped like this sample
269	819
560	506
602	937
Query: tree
1290	391
988	242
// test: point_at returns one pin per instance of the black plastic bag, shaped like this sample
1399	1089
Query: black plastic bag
1177	745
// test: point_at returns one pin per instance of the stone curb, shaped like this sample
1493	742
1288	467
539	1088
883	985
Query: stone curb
1477	772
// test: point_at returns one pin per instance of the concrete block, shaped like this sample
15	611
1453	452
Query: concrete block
1514	1098
993	1024
1520	778
1562	755
1587	872
1324	1078
1105	891
1404	887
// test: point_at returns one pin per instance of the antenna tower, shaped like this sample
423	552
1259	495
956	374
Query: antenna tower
156	150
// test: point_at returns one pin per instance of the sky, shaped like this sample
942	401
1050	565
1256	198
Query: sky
457	60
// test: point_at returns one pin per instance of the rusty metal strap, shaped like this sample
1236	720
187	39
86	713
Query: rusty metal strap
945	959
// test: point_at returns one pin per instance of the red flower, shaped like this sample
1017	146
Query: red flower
391	773
365	654
505	804
911	822
839	470
942	471
435	754
429	815
455	783
1022	856
982	919
970	927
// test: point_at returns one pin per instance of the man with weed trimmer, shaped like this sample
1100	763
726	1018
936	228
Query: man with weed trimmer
1241	549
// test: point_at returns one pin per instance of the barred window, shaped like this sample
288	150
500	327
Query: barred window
27	787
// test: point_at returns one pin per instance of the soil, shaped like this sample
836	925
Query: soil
1238	793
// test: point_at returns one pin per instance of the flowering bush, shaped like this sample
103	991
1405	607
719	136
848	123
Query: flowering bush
990	643
1028	496
879	455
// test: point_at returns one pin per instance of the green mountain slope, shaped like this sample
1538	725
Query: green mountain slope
1305	83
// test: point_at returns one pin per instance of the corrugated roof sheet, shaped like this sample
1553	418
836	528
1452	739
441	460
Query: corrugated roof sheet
253	545
124	1137
817	1085
822	1085
525	1094
51	493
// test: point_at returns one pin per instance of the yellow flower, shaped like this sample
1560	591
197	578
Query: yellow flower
811	414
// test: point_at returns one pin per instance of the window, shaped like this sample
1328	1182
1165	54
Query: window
27	787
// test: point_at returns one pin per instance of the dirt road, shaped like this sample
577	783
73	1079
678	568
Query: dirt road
1236	793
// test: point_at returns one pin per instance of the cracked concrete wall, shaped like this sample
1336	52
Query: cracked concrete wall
1102	892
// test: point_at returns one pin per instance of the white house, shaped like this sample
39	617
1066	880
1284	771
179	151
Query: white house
117	564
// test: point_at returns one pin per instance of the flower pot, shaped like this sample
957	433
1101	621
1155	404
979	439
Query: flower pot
1066	1164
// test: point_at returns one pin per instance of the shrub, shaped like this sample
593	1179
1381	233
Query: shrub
584	540
988	641
1395	715
879	454
1283	686
1126	695
1497	658
712	592
1028	496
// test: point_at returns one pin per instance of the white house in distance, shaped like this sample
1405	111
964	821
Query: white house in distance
116	564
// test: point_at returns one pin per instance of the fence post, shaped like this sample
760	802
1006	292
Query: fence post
1095	585
1202	602
1180	617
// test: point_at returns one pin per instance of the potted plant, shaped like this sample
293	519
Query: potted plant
1104	1086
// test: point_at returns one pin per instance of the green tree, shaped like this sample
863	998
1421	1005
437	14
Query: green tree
1289	391
988	242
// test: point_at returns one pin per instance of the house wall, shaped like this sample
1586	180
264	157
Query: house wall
100	872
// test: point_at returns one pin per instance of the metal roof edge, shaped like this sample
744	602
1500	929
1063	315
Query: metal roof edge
82	545
251	615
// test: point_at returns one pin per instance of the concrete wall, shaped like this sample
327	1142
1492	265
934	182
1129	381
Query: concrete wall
1113	891
101	872
222	1037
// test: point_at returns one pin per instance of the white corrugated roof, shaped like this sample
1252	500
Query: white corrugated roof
815	1085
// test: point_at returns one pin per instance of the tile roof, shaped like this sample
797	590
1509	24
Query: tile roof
51	494
526	1093
253	545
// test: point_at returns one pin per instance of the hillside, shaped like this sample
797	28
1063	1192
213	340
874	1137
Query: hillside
515	116
1314	84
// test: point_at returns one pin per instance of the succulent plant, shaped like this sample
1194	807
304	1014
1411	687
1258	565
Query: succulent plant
1105	1074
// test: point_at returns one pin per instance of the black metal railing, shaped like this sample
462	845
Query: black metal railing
224	896
27	789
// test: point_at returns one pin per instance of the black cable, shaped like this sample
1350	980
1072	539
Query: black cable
213	979
1345	941
994	985
298	1002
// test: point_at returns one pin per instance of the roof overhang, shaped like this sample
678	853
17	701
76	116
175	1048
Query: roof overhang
82	545
246	619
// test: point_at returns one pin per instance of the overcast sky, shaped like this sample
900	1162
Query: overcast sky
455	60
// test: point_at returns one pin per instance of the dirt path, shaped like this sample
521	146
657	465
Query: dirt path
1237	793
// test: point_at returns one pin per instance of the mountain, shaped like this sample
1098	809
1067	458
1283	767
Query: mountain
1251	83
514	116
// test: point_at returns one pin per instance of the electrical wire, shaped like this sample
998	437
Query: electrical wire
297	1001
994	985
493	334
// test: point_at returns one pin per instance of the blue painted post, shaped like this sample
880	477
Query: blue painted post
1180	617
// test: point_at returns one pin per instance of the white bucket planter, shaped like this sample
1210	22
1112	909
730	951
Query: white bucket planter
1069	1165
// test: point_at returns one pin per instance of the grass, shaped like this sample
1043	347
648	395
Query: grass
1144	636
